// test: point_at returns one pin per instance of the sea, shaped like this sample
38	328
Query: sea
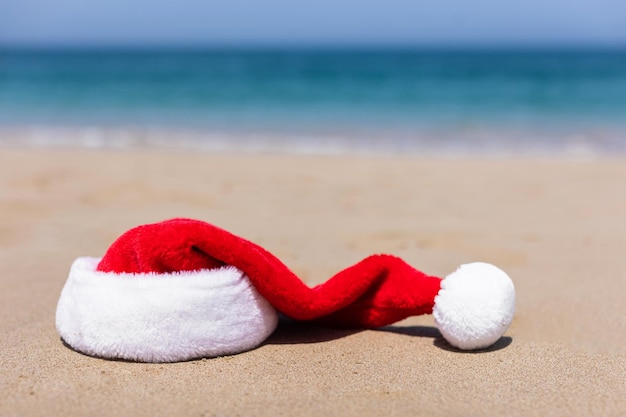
570	101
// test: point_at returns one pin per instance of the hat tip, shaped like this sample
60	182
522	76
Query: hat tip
475	306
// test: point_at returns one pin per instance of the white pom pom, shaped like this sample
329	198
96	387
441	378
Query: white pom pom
475	306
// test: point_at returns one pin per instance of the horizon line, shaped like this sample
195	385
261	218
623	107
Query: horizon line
312	47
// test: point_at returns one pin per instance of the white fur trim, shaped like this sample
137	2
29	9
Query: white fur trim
162	317
475	306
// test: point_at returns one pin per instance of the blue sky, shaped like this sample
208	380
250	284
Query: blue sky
313	22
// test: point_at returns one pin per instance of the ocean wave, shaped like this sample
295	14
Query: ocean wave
483	141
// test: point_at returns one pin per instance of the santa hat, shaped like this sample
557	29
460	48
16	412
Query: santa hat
184	289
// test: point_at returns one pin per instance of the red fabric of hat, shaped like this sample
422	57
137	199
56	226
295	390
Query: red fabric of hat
377	291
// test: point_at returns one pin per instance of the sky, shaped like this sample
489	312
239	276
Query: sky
312	22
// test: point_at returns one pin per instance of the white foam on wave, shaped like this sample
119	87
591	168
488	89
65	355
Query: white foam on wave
451	143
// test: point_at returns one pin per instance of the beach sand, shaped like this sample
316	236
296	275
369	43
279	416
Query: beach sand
557	226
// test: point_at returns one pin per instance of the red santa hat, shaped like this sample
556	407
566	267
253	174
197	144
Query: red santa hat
184	289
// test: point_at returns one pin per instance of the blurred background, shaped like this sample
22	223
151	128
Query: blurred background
323	76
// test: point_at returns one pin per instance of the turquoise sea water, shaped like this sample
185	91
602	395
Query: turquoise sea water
394	98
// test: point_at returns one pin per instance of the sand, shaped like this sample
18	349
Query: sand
557	226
